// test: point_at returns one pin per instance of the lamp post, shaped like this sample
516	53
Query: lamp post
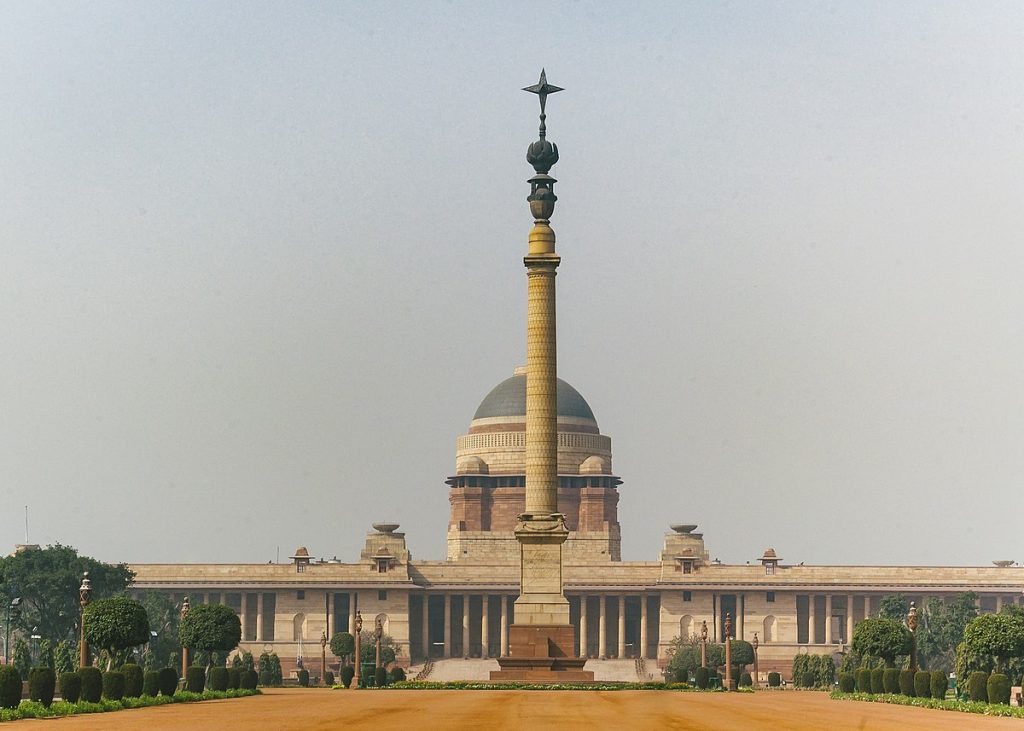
323	658
35	637
755	644
378	631
912	626
704	644
728	652
84	593
185	606
359	629
12	608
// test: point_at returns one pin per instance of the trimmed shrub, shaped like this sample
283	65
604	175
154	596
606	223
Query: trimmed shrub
247	679
168	681
41	684
863	676
113	685
876	681
774	679
328	678
907	683
808	679
347	672
218	679
303	677
700	677
938	684
266	678
10	686
195	679
380	677
745	680
70	687
234	678
923	684
891	680
998	688
132	680
92	684
847	682
977	686
397	675
151	683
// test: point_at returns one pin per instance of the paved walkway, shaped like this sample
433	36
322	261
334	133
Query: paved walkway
319	710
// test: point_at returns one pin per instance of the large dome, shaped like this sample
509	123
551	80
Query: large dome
508	398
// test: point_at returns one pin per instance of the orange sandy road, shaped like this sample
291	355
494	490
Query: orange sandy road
293	709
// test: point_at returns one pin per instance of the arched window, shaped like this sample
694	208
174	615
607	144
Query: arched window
769	629
686	626
298	627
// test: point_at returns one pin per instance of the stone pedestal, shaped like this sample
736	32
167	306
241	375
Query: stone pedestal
542	654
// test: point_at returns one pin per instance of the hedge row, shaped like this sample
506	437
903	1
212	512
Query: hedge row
987	709
33	709
922	684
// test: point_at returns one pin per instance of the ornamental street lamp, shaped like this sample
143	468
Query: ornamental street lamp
704	644
378	631
84	593
728	652
35	637
12	609
755	645
912	626
323	658
359	629
185	607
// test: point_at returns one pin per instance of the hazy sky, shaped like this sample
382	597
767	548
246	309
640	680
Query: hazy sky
259	263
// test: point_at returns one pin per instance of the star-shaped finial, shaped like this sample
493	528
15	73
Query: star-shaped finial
542	88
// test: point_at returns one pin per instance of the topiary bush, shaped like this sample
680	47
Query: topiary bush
380	677
938	684
113	685
998	688
41	684
195	679
168	681
890	680
863	680
347	672
745	680
218	679
70	687
132	680
328	678
977	686
151	683
92	684
10	686
876	680
247	679
303	677
234	678
923	684
700	677
847	682
774	679
807	679
907	683
266	678
397	675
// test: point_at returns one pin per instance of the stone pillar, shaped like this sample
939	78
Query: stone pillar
503	638
602	624
583	626
999	603
243	615
425	627
849	619
259	617
352	601
643	625
740	611
828	619
621	649
329	608
811	634
447	625
485	620
465	626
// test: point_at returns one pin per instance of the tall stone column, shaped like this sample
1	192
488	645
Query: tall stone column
849	619
583	626
485	620
353	601
259	617
643	625
425	627
811	621
447	625
503	636
329	608
828	619
243	616
465	626
602	627
621	649
740	609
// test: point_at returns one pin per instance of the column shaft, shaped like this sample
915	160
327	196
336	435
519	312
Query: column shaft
849	619
828	619
541	400
243	616
812	634
602	625
259	617
503	639
465	625
621	649
740	611
329	608
485	620
583	626
425	627
352	612
447	625
643	625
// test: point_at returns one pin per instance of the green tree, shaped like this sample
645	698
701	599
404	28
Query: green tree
163	616
65	656
894	606
684	656
368	649
883	638
210	628
343	645
998	635
115	625
21	658
741	652
46	653
47	581
941	629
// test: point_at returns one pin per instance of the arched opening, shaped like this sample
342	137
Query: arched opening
298	627
686	627
769	629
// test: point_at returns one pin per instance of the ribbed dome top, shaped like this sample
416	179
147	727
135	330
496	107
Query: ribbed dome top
508	398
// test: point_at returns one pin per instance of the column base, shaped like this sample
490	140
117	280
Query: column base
542	654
